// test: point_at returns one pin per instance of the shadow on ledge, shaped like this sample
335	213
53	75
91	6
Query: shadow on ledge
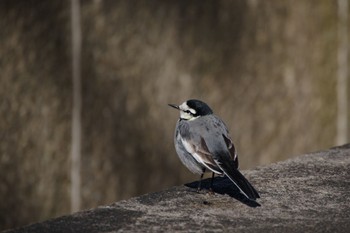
309	193
223	186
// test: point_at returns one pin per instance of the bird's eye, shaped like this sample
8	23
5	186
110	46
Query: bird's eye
188	111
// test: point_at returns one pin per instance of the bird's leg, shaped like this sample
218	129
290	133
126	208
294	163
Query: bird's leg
200	181
211	183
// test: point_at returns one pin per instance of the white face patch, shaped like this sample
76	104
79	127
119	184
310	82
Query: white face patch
186	112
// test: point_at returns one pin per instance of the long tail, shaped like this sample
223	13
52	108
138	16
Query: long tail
237	178
243	184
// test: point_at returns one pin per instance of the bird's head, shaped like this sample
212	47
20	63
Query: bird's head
192	109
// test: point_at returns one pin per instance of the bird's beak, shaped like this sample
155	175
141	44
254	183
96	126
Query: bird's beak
174	106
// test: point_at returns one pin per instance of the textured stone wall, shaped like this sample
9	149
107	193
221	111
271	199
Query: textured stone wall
35	108
267	69
305	194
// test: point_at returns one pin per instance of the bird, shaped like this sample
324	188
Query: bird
203	144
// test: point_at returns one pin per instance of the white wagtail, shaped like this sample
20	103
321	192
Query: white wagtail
202	142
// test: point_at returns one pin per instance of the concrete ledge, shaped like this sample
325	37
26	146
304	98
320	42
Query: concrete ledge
310	193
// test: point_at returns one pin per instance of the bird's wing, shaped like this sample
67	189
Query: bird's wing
231	148
201	153
195	145
225	157
217	153
220	162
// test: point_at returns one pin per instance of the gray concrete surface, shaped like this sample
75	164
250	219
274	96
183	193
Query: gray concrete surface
310	193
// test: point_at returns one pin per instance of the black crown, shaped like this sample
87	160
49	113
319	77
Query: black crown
200	107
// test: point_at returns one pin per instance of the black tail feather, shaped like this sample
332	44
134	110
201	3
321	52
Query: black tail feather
238	179
243	183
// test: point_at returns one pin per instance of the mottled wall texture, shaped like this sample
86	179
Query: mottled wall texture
268	68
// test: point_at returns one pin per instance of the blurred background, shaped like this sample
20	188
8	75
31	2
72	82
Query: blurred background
84	89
